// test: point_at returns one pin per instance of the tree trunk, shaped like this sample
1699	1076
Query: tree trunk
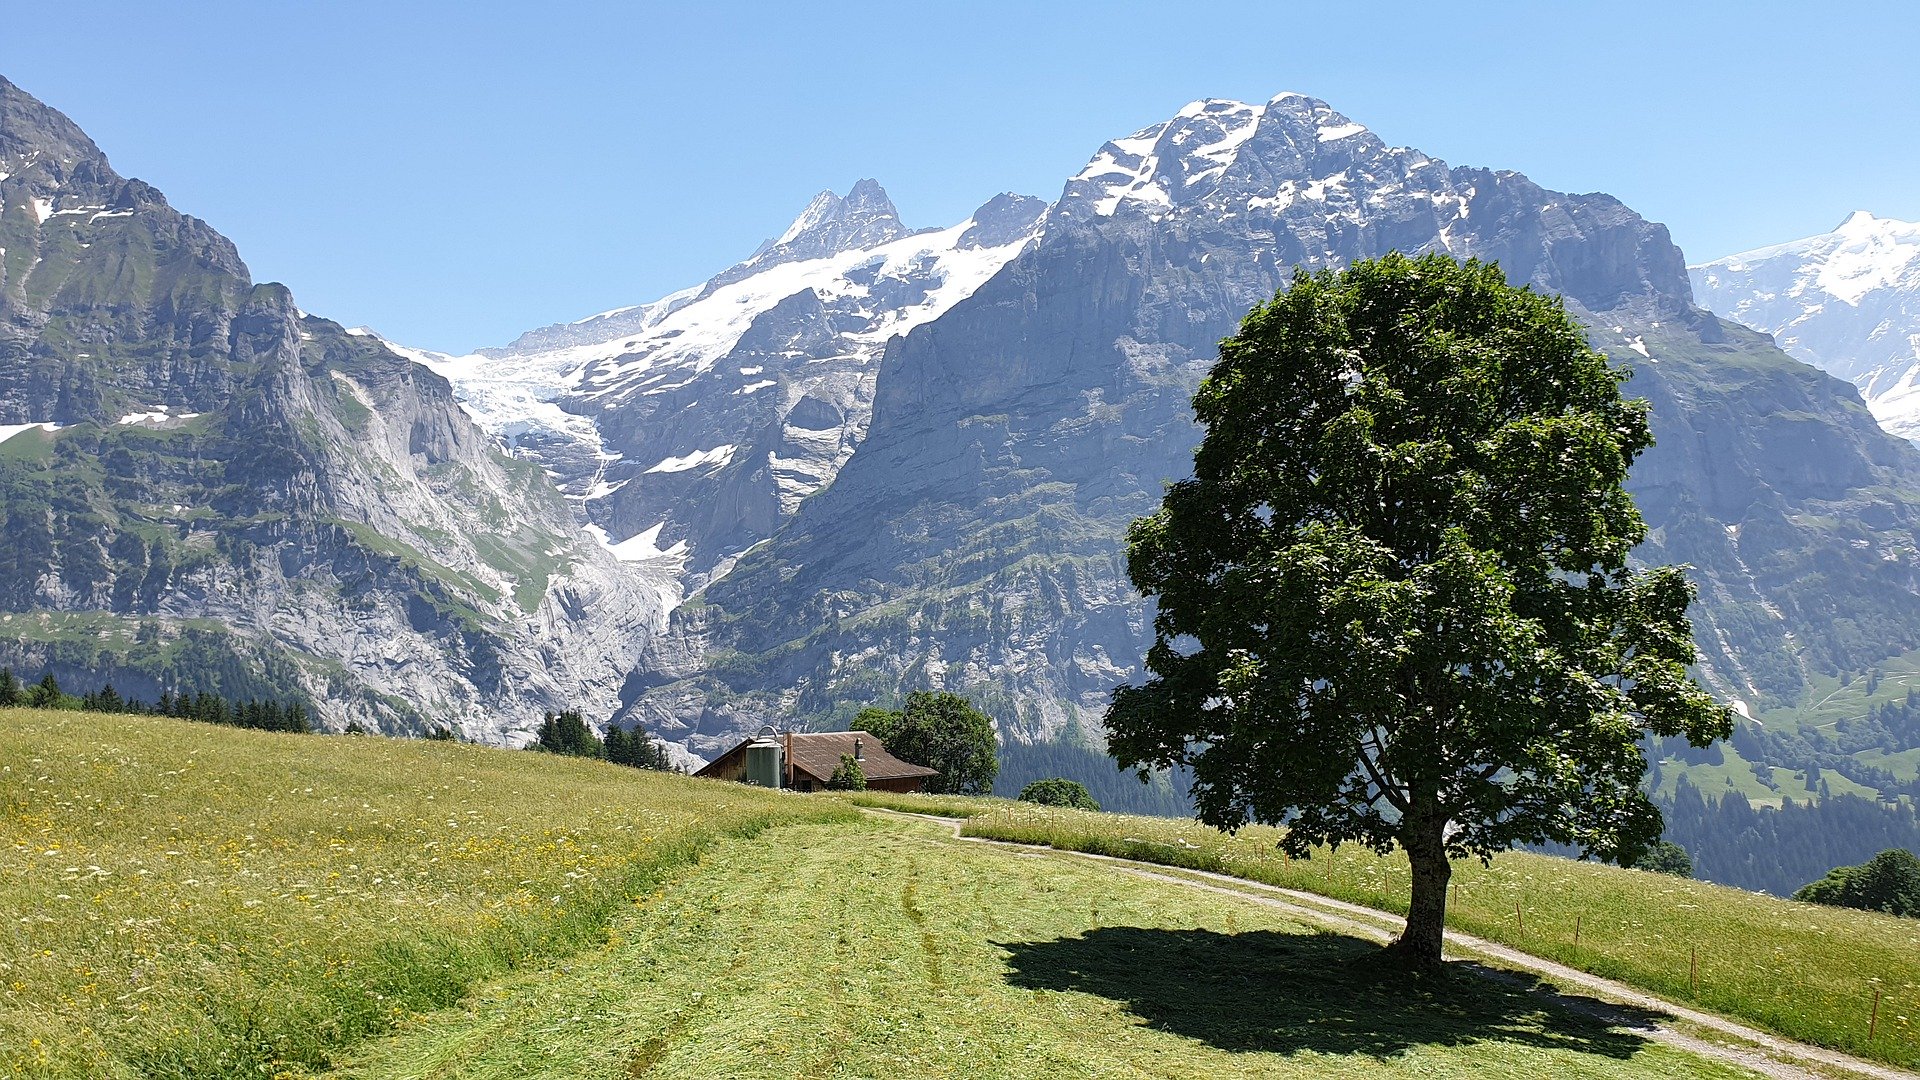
1424	836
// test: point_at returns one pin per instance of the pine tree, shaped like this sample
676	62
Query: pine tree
567	733
46	695
620	747
9	689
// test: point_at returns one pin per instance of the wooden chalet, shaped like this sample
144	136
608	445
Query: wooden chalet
810	758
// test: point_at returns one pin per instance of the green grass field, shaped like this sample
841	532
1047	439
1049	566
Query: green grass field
1801	970
184	900
192	901
889	949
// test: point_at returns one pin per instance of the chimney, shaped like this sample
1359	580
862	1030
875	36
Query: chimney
858	755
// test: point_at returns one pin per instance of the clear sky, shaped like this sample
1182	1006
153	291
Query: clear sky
452	173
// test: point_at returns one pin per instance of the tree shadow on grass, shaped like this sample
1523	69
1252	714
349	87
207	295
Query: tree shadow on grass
1270	992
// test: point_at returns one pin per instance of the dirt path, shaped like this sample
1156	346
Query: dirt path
1771	1055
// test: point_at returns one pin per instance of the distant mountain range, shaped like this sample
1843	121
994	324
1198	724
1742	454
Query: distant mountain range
203	487
688	429
866	459
973	541
1847	301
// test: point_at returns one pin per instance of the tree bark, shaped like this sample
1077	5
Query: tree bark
1423	834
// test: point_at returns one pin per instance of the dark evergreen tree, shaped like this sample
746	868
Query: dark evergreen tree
1778	849
46	694
9	689
567	732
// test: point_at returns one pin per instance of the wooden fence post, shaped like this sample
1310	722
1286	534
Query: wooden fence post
1519	923
1693	970
1873	1022
1576	931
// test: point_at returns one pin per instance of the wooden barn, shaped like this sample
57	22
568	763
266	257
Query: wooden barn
808	759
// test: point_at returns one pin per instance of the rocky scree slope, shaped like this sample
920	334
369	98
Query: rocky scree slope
203	487
1847	302
691	427
975	540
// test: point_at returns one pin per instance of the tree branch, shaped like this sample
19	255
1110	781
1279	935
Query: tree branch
1392	793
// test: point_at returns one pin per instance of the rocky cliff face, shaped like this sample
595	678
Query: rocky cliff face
691	427
975	539
1847	302
202	487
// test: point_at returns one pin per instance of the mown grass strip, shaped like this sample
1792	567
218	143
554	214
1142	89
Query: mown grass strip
185	900
1803	971
953	806
888	950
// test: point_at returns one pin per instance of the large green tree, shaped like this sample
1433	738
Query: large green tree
1393	602
942	731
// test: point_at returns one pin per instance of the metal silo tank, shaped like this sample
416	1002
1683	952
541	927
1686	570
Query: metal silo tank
763	763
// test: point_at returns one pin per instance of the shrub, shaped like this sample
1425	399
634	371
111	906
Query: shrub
1059	791
849	776
1889	882
1666	857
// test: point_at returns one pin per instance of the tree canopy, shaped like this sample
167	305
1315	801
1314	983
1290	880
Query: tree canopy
942	731
1059	791
1666	857
1889	882
1393	602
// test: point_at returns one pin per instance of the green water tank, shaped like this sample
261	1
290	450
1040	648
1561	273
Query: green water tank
763	763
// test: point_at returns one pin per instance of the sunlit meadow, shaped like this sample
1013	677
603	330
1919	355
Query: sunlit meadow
188	900
1804	971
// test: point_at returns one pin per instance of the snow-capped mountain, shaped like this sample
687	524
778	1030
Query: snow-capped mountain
690	427
1847	301
976	539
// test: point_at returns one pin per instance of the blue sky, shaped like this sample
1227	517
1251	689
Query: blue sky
454	173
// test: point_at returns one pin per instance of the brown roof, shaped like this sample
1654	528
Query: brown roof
818	754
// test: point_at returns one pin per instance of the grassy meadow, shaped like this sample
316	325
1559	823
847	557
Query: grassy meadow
1804	971
185	900
889	949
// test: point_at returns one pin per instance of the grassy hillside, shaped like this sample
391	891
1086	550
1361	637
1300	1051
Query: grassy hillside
1804	971
889	949
198	901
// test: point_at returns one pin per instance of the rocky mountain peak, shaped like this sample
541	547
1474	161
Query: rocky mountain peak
862	218
1003	219
1217	146
38	142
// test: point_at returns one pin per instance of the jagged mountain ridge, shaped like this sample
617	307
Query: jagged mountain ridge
689	428
974	540
203	487
1846	301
